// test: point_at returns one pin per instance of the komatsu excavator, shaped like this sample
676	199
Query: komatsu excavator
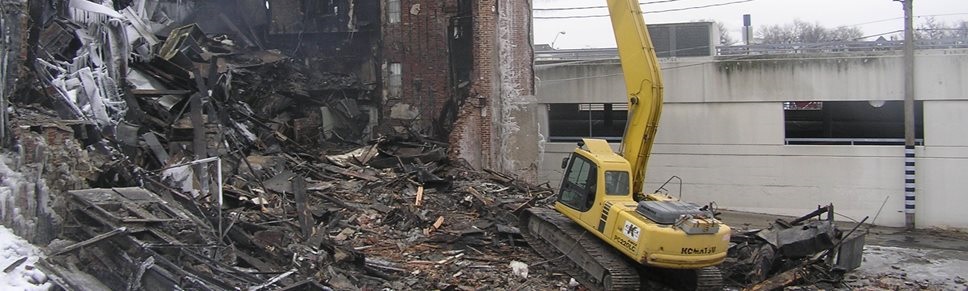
603	231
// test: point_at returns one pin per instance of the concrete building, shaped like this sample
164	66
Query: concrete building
779	133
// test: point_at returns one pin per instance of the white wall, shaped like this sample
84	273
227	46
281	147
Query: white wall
722	132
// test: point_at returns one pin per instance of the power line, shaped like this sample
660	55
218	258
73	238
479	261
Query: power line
598	7
646	12
902	17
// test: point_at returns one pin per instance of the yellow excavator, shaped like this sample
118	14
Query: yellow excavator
603	231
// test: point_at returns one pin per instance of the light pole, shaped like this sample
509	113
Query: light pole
560	33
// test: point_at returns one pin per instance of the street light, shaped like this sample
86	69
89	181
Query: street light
560	33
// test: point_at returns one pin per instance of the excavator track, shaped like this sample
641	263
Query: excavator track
599	267
709	279
704	279
576	252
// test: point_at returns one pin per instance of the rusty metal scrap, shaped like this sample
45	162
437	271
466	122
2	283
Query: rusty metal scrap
797	252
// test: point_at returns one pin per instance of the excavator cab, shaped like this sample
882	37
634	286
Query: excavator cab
579	184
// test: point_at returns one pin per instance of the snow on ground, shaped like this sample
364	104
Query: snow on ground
24	276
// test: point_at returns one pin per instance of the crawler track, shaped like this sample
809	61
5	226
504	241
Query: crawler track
576	252
598	266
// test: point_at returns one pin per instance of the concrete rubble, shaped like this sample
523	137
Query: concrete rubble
166	158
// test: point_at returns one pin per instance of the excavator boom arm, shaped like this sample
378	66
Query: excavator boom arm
643	82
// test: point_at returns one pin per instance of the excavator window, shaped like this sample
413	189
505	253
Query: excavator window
578	188
616	183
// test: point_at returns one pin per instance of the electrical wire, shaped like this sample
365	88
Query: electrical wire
599	6
646	12
902	17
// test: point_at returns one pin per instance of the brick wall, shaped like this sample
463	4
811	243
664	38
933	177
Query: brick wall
419	42
503	75
516	124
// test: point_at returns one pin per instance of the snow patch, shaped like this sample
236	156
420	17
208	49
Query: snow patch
24	276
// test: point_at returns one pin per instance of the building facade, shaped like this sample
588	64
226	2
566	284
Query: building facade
781	133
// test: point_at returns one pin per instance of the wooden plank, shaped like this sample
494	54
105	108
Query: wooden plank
779	281
479	196
420	192
437	224
370	153
14	265
89	241
349	173
306	221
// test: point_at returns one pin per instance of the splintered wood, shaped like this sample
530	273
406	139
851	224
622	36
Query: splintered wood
420	192
435	226
479	196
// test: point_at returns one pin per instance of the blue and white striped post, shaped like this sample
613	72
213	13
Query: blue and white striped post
909	186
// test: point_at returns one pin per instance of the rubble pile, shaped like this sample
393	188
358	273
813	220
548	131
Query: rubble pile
363	228
208	165
802	252
184	160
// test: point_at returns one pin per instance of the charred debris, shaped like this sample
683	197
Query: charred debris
214	162
218	163
810	250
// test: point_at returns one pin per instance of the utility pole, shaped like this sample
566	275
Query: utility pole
909	134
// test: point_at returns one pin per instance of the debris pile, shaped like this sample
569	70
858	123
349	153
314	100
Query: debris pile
794	253
344	233
218	166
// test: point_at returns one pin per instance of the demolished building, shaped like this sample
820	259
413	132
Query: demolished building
454	71
280	144
142	135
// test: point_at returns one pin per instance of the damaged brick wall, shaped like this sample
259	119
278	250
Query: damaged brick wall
46	161
516	123
501	91
471	138
419	43
13	52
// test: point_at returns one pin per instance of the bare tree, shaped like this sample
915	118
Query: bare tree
933	29
776	34
962	30
846	33
724	37
805	32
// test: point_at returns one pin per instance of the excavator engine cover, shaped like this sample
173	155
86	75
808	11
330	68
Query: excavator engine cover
667	212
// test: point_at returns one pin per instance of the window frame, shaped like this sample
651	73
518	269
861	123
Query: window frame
583	194
610	185
394	80
848	122
394	13
570	122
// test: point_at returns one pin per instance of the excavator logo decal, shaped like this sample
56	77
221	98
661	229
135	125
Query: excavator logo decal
632	231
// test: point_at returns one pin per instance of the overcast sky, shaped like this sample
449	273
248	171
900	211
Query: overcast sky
872	16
